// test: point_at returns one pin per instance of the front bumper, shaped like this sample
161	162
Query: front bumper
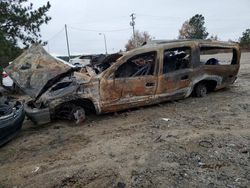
38	116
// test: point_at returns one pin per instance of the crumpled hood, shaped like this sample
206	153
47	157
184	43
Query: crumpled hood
35	70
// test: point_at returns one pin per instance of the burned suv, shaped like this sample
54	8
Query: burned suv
156	72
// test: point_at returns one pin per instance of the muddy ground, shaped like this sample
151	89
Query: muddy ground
202	142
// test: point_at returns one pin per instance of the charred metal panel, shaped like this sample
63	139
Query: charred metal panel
32	70
139	86
123	93
111	90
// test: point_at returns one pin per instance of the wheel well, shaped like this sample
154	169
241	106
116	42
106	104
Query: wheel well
210	84
87	104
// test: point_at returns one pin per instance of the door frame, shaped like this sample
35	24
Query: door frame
129	101
179	89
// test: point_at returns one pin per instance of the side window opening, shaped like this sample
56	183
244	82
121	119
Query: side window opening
139	65
176	59
217	56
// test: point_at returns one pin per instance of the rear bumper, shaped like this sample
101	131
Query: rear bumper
38	116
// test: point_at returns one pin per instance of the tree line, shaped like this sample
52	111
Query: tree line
193	28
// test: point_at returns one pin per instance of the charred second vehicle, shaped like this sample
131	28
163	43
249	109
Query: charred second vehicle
156	72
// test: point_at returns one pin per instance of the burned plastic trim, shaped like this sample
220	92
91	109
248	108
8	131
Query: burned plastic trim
37	115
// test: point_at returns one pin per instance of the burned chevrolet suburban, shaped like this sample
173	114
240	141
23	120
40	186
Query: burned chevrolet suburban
156	72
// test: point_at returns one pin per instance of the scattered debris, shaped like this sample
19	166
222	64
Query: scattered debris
206	144
165	119
121	185
36	169
158	139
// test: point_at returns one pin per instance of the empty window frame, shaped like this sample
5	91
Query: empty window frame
139	65
217	56
176	59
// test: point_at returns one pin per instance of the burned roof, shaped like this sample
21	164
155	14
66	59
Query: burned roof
161	43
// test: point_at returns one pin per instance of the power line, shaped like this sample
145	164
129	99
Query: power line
98	31
88	30
155	16
55	35
87	22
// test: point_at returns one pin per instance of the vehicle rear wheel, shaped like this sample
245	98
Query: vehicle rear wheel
201	90
71	112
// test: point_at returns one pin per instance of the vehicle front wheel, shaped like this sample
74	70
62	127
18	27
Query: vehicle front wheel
71	112
200	90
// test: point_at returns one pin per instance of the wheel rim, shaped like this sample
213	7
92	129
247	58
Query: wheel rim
203	91
71	112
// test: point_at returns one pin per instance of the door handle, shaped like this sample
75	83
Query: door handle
185	77
150	84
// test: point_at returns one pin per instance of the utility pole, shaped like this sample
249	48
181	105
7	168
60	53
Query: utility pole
48	46
132	23
67	40
105	42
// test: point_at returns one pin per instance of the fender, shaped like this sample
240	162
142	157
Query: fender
205	77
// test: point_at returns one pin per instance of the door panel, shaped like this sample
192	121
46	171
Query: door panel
134	83
175	75
220	61
175	82
139	86
111	89
120	93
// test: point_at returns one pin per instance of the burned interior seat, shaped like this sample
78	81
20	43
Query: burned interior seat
170	62
212	61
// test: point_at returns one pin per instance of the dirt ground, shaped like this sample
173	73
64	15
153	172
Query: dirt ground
202	142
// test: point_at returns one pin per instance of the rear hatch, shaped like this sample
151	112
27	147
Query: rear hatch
35	71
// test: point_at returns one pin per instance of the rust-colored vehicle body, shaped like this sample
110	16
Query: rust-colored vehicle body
153	73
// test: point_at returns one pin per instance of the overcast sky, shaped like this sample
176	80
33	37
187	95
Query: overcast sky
161	18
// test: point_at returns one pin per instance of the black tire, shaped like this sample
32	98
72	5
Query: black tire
200	90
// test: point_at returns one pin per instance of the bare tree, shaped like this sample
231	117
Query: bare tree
185	30
139	39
